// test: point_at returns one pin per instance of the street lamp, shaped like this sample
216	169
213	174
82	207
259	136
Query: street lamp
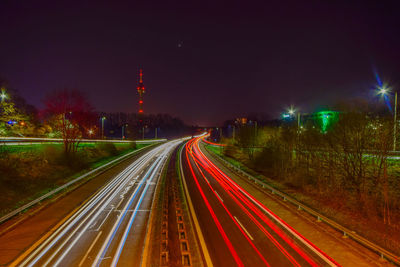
123	130
3	94
292	112
102	127
384	91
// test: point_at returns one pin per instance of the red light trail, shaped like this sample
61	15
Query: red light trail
255	211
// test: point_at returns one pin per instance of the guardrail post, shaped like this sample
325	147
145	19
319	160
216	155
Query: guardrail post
299	208
284	198
344	235
318	219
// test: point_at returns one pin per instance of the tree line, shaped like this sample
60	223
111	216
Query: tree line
351	163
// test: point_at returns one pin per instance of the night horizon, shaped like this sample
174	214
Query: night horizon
203	63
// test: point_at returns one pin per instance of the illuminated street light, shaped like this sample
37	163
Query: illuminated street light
384	91
3	94
90	132
292	112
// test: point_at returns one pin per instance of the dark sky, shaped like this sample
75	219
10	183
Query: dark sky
203	61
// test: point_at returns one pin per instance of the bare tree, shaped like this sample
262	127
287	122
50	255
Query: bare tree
71	114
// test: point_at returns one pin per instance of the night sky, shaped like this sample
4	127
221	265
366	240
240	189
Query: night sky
203	61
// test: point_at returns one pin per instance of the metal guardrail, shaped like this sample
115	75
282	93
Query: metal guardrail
21	140
384	254
34	202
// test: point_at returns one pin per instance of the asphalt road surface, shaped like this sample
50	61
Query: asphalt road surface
109	228
239	230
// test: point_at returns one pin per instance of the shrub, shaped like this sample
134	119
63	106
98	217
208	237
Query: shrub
109	148
52	153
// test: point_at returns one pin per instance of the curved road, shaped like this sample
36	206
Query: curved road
239	230
109	228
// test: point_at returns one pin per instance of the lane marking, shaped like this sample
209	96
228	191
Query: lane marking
133	216
98	228
90	248
133	210
194	217
220	198
244	229
122	199
17	261
117	223
106	198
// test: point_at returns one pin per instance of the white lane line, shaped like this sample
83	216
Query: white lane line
220	198
119	203
107	200
159	164
98	228
244	229
131	210
111	234
90	248
86	212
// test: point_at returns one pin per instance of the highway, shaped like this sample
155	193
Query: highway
109	228
237	228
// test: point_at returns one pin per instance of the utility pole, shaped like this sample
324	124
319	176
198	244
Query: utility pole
255	133
298	120
395	121
155	136
143	132
102	127
123	130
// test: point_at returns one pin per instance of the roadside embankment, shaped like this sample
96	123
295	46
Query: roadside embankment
28	172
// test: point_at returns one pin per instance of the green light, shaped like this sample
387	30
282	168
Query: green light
326	119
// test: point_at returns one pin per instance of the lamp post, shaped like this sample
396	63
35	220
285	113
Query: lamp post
123	131
384	92
292	112
102	127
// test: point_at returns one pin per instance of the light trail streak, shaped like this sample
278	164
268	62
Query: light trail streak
225	186
216	221
104	198
72	230
236	223
249	204
297	235
128	228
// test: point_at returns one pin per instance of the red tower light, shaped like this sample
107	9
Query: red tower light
141	91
